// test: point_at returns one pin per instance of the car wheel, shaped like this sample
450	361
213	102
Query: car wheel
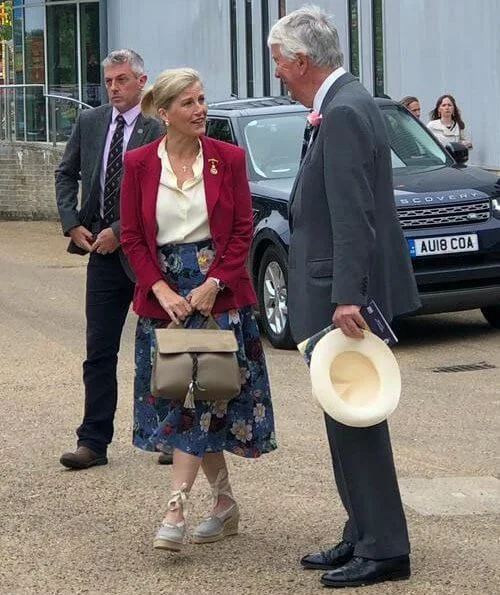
492	315
272	296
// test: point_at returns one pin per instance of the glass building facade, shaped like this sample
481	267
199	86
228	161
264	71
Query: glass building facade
51	46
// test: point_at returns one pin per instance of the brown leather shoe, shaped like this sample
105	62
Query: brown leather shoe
165	458
82	458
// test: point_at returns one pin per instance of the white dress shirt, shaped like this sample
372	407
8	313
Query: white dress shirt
181	213
325	87
130	117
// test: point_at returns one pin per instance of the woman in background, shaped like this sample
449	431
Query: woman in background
446	122
412	104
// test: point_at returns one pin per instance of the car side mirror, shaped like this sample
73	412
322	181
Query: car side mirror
459	152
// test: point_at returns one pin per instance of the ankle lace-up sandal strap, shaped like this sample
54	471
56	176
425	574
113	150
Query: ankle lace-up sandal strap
221	486
178	499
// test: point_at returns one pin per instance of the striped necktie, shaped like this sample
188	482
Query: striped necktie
113	172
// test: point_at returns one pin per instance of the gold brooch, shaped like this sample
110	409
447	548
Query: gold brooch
213	166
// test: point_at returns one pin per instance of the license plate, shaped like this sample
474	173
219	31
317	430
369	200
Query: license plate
443	245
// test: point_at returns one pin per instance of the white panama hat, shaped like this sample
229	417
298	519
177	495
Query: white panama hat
357	382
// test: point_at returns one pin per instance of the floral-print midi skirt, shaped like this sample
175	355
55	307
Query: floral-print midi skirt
245	425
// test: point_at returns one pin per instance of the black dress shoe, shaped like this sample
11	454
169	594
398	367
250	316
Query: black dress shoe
332	558
83	458
165	458
359	572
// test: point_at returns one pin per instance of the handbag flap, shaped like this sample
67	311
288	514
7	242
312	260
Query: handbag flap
171	341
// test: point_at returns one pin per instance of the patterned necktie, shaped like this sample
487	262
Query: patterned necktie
113	172
305	142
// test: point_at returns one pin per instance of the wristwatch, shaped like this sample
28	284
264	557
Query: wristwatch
220	286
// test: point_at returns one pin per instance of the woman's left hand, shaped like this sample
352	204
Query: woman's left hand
202	298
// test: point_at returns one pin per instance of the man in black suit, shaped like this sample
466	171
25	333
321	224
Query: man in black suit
346	245
94	155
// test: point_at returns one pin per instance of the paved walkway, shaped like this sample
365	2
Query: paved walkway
91	532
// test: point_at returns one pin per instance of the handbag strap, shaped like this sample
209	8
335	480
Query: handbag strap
208	323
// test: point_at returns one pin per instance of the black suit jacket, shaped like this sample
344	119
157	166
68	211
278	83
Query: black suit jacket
82	162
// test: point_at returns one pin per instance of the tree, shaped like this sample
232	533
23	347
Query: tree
5	20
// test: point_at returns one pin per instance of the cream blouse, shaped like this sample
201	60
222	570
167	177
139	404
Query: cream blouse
181	214
444	134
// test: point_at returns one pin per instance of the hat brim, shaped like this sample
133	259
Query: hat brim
373	401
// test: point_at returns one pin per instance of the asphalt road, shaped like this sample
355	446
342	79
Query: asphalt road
91	532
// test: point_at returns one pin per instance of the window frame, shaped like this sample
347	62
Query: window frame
212	119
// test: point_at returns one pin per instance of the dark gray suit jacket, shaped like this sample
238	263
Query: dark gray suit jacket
346	243
82	161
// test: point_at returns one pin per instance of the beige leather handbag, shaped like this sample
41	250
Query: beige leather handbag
196	364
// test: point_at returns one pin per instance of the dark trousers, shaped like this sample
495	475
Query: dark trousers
368	487
108	296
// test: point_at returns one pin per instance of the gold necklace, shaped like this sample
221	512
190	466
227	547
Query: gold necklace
183	166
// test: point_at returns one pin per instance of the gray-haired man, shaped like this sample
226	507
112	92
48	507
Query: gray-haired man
94	155
345	245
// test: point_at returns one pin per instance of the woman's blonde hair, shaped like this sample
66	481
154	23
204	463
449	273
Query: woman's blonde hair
168	85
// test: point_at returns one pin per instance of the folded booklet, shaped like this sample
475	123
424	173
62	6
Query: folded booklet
374	319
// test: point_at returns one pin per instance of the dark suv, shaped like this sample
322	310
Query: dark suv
449	212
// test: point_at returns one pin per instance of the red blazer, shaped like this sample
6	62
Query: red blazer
230	219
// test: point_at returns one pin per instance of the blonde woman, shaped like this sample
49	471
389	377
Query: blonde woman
186	231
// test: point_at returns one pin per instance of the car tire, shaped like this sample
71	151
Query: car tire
272	296
492	315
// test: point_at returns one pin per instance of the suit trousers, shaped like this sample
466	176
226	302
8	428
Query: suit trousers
109	293
367	484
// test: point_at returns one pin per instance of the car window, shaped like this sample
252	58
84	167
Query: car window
220	129
274	144
411	144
